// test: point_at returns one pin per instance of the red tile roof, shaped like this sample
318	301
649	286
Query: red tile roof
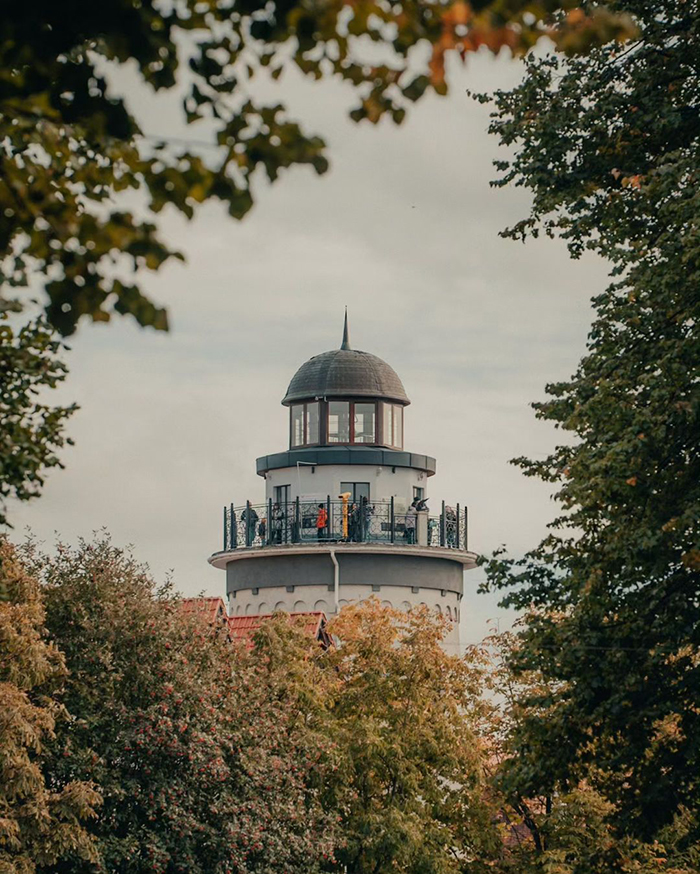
312	623
211	609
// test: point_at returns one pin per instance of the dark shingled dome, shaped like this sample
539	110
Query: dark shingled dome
345	373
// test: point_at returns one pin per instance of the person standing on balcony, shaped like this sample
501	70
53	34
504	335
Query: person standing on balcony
354	523
411	516
365	512
277	523
451	527
321	522
249	519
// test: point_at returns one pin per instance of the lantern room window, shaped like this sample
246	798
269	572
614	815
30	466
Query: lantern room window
364	423
392	425
304	424
352	422
312	423
298	425
339	422
323	423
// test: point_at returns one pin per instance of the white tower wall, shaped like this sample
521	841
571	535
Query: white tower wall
305	598
316	482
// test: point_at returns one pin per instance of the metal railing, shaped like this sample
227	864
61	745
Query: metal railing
299	521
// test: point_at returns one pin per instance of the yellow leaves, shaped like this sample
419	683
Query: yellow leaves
670	525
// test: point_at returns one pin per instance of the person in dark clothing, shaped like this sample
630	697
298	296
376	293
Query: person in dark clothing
277	523
365	517
354	523
249	520
451	527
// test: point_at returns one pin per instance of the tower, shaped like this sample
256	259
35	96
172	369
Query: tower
345	514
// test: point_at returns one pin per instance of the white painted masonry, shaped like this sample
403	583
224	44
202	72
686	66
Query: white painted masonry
316	482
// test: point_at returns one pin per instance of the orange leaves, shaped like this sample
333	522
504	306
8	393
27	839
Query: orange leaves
627	181
463	31
691	559
581	31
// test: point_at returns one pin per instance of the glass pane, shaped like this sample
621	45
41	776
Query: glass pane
386	415
282	495
298	425
398	426
312	423
361	491
338	422
364	423
357	491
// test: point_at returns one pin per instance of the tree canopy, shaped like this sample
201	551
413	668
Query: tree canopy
199	768
42	821
408	721
609	146
32	431
71	146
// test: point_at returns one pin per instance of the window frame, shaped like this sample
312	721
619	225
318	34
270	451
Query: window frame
351	429
381	408
351	422
304	424
375	429
355	499
387	439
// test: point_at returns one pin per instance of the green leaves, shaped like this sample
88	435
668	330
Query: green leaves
609	146
405	718
201	765
70	145
32	431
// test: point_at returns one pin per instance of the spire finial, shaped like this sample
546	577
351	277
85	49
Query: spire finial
346	336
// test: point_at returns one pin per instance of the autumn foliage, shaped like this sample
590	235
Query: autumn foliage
41	821
137	737
199	770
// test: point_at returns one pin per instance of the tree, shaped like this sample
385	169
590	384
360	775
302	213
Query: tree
609	146
41	822
32	431
567	832
70	146
200	771
406	720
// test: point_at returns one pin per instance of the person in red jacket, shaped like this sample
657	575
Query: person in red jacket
321	522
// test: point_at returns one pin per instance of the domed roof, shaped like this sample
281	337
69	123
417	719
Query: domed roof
345	372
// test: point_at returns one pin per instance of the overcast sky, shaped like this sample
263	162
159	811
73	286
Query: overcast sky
404	231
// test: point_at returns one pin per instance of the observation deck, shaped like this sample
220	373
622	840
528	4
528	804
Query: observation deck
302	526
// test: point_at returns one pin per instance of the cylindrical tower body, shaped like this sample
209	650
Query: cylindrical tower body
345	514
